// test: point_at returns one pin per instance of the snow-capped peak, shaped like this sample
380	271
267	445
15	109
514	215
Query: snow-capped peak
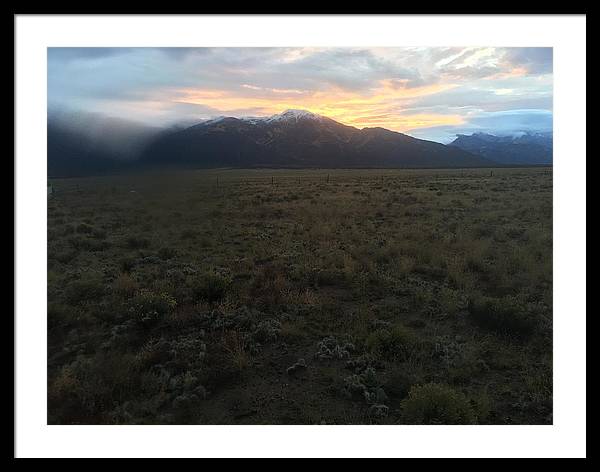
254	119
293	115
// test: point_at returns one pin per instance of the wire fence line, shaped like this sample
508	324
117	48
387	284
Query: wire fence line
212	180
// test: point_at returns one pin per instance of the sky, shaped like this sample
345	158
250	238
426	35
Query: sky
429	93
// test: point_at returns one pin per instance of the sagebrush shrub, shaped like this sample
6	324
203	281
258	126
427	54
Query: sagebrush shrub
506	315
210	287
398	384
90	386
124	285
84	290
148	307
395	343
437	404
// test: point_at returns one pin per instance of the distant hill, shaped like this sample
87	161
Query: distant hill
298	138
522	149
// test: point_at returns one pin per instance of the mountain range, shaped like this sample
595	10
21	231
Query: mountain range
292	139
520	149
297	138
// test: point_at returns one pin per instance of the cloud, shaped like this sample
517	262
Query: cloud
500	123
92	53
535	60
397	88
120	138
514	120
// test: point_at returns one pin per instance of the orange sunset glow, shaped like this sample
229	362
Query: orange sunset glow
433	93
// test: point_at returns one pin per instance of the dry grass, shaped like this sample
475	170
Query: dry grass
251	276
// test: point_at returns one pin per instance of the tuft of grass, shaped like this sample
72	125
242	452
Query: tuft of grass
435	403
236	349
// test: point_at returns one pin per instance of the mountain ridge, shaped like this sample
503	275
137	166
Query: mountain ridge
294	138
298	138
526	148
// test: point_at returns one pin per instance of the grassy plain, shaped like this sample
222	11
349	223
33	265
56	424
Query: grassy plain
301	297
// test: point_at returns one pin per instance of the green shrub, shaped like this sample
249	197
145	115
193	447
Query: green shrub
148	307
437	404
153	352
398	384
505	315
84	290
210	287
88	388
391	344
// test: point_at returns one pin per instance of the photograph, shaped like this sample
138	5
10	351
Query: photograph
300	236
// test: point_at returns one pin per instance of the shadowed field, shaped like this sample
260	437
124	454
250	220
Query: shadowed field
280	297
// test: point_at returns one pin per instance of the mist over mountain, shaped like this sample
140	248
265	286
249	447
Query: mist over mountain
81	143
90	144
526	148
